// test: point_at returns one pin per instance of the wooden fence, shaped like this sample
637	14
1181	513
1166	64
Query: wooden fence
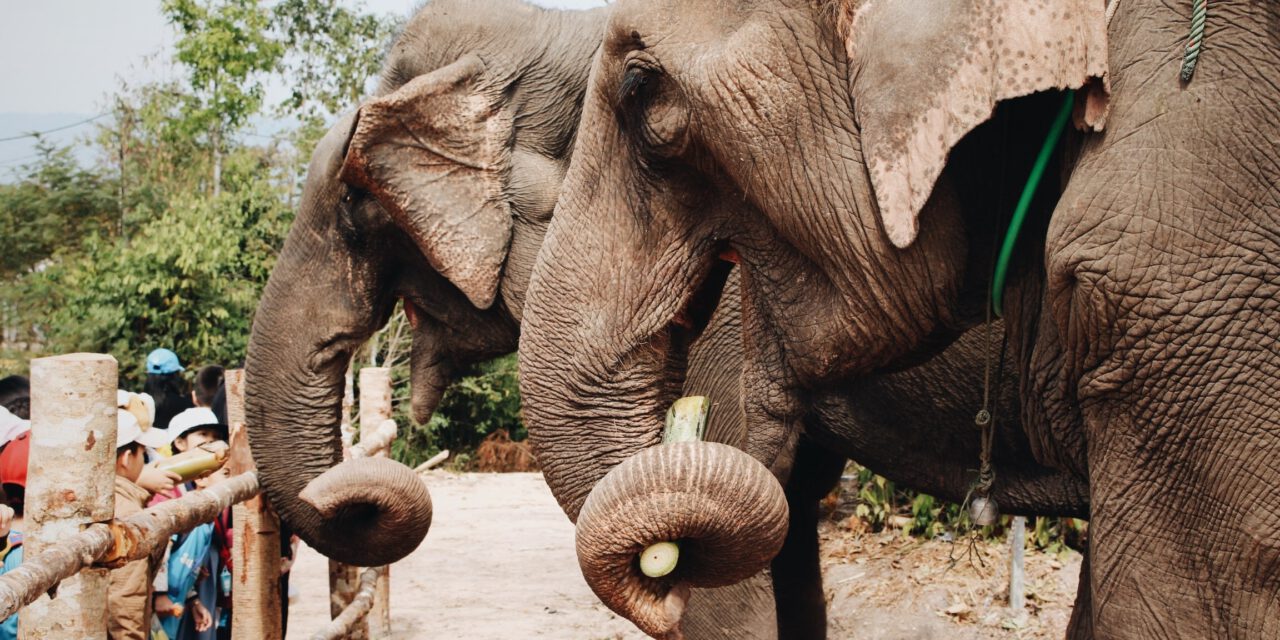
74	538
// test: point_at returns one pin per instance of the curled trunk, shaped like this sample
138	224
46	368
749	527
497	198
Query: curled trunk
378	510
387	489
726	511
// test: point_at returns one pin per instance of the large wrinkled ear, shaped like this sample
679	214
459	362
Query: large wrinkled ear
436	153
926	73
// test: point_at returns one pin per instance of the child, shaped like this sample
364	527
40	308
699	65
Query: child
165	384
15	439
199	557
194	427
129	596
208	381
12	557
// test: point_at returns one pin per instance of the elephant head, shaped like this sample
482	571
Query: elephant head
803	141
436	192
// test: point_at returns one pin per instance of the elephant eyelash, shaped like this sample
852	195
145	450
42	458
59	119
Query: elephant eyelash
633	97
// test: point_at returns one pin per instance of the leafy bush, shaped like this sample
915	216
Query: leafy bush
877	505
188	280
484	399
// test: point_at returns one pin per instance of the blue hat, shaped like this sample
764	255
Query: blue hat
163	361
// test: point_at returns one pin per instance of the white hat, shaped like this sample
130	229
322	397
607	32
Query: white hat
135	425
11	426
195	418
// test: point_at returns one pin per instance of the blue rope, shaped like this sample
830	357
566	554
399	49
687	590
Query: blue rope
1199	8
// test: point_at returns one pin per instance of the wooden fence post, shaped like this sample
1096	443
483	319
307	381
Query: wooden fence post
70	483
348	401
344	580
344	583
375	407
1017	568
255	553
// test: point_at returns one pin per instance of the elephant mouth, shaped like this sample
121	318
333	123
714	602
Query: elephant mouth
693	316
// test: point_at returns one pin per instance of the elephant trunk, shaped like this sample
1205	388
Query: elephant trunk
725	510
367	512
355	490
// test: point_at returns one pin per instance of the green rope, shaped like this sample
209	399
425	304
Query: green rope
1199	8
1024	202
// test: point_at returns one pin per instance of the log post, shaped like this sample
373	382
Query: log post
342	625
344	583
70	484
1017	568
255	553
344	579
375	408
348	402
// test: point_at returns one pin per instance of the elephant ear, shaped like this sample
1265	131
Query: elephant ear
926	73
436	154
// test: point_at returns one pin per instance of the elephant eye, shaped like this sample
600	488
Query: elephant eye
651	110
633	95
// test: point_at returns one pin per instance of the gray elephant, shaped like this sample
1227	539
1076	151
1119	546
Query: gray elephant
858	159
437	192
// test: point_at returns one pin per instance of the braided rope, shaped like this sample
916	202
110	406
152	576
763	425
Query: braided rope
1199	9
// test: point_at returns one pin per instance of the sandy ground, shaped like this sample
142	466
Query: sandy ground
499	565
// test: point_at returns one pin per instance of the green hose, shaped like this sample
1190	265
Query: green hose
1024	202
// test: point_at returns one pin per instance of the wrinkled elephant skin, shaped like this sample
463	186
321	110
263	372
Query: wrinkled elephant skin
858	160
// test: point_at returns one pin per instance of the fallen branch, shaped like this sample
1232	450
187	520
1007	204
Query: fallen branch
340	626
120	541
434	462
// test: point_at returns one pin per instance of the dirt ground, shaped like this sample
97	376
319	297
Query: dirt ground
499	565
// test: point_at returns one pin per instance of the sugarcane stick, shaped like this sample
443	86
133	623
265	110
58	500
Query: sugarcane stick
686	422
198	462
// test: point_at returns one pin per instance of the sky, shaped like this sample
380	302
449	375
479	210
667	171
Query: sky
59	59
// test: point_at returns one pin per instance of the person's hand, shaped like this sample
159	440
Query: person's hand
155	480
6	519
204	620
285	565
163	606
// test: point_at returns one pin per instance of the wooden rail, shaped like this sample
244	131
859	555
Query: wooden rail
75	537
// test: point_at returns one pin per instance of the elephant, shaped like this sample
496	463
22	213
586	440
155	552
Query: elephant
437	192
855	161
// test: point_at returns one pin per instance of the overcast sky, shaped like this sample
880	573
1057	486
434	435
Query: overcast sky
60	58
63	56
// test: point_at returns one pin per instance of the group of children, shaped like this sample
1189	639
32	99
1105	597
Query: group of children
183	591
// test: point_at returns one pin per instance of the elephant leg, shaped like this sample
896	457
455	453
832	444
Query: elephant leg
743	611
1081	625
797	572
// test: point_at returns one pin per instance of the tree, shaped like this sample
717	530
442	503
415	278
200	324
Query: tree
227	48
55	204
189	281
332	53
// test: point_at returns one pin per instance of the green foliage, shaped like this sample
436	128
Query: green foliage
55	205
1056	535
878	504
484	399
227	49
332	52
169	238
189	280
